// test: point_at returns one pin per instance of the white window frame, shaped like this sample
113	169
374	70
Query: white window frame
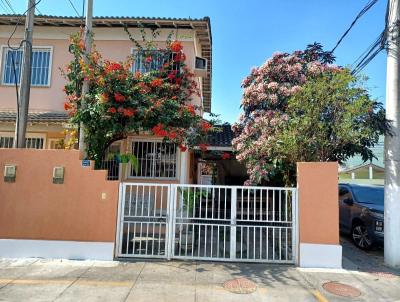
131	141
133	50
3	58
29	135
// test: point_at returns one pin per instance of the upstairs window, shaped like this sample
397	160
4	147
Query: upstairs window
149	60
41	61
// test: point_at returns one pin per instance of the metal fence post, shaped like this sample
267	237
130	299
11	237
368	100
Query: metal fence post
233	223
120	227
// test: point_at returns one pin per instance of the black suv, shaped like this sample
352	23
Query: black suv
361	213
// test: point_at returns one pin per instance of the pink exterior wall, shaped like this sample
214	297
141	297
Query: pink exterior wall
318	202
84	208
52	98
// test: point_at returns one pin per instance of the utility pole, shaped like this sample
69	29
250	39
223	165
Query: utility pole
86	83
25	84
392	143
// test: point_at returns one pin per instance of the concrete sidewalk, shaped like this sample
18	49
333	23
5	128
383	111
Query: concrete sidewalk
64	280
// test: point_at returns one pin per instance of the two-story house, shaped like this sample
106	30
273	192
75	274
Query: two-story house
47	118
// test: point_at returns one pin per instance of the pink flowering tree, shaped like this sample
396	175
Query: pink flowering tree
291	99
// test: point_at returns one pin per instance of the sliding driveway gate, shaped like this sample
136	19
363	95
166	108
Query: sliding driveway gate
228	223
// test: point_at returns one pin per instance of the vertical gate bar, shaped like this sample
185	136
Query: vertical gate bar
286	252
192	239
147	237
137	199
188	202
200	200
159	241
261	246
280	243
242	217
149	202
255	205
224	254
267	241
155	200
261	202
267	206
226	193
286	205
199	241
248	204
217	241
207	202
212	204
121	218
153	242
130	201
248	243
127	239
205	241
280	205
142	201
295	227
219	203
171	219
134	238
233	223
212	239
254	242
273	243
273	205
194	202
241	242
141	237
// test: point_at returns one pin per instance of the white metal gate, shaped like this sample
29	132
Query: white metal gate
228	223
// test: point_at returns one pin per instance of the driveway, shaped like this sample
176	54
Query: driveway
64	280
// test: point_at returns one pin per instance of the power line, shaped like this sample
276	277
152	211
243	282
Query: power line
74	8
8	3
370	4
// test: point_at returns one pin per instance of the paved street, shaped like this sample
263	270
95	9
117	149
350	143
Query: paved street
63	280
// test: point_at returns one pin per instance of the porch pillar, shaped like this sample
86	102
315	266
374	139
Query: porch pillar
183	168
318	219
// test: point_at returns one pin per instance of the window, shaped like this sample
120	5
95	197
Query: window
31	142
155	159
40	75
146	61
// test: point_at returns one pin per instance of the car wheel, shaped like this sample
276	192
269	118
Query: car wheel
360	236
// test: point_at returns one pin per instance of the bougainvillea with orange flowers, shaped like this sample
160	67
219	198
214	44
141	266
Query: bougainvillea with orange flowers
123	100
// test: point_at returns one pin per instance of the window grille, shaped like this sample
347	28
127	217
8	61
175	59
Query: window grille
40	66
149	60
155	159
30	142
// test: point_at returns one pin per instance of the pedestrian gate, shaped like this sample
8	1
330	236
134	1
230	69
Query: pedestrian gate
228	223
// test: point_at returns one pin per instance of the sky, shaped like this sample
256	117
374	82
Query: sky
246	33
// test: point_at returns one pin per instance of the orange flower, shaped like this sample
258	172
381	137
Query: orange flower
119	97
67	106
176	46
129	112
205	126
159	130
182	148
156	83
191	109
112	110
172	135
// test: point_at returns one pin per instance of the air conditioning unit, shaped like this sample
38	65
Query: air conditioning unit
200	67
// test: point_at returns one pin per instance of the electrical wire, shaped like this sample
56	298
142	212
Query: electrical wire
74	8
18	48
370	4
8	3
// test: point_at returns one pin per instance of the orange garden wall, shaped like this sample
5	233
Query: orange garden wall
82	209
317	184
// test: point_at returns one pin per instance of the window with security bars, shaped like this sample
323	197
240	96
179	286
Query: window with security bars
149	60
155	159
30	142
40	74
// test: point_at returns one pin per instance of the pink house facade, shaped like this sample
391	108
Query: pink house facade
47	118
